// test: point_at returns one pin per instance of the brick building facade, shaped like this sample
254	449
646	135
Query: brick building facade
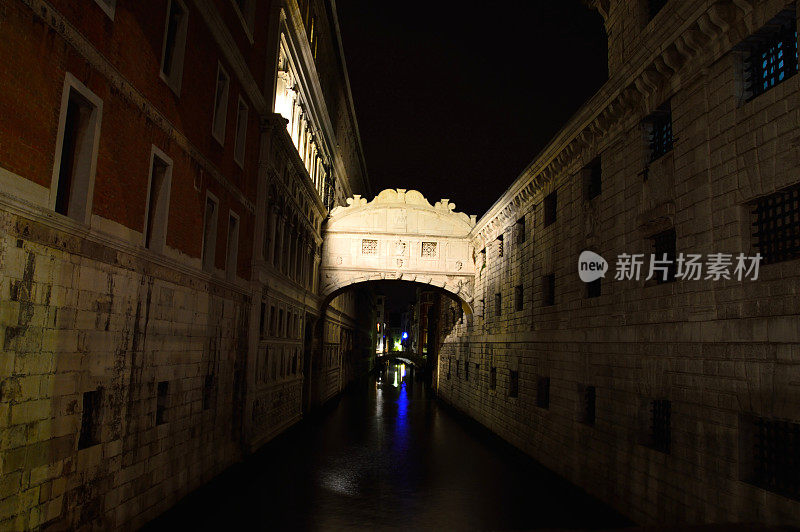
161	202
673	401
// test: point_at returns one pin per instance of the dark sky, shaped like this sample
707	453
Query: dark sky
456	101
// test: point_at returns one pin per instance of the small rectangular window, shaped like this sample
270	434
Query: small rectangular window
158	192
161	402
232	255
660	425
550	208
429	250
519	229
588	408
768	454
549	290
493	378
664	247
91	419
593	179
771	55
776	225
518	298
241	132
543	392
209	391
513	384
220	104
174	45
369	247
658	126
210	233
498	304
594	288
76	151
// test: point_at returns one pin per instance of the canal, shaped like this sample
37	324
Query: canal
388	455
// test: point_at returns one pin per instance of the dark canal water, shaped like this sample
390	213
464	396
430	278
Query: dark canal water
388	456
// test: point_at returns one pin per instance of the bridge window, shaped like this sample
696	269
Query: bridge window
429	250
776	220
513	384
369	247
543	392
769	454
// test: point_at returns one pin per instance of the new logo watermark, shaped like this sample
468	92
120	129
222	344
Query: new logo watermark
591	266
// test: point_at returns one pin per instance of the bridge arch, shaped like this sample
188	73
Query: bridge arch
399	236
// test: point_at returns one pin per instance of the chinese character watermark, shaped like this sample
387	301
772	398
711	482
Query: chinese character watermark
686	267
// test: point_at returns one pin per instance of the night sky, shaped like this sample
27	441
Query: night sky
456	102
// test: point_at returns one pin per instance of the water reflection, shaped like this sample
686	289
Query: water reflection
388	456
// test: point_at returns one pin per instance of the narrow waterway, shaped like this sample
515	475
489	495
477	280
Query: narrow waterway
388	455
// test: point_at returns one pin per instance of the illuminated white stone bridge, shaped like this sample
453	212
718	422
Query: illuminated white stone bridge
399	235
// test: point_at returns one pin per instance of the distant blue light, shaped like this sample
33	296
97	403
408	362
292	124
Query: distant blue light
405	335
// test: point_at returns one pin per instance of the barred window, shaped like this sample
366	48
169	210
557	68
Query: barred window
429	249
770	452
776	225
772	55
500	246
659	130
369	247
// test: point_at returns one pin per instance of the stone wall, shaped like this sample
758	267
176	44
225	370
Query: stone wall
722	356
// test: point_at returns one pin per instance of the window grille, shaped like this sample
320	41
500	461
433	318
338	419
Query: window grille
660	420
772	56
660	132
776	225
429	249
513	384
500	246
369	247
775	457
543	392
664	244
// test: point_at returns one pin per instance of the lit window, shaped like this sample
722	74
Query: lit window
771	55
174	44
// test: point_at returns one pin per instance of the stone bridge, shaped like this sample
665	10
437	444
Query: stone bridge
399	235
